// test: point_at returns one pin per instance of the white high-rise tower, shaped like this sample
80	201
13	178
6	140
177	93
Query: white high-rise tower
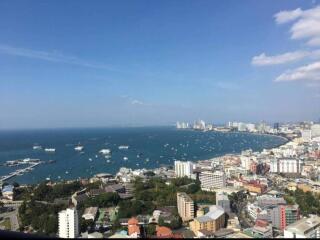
68	223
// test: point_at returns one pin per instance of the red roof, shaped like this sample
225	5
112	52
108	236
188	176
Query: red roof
133	221
133	229
163	232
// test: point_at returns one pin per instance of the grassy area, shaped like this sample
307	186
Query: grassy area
6	224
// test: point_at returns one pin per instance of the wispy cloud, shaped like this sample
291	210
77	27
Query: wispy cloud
52	56
306	24
264	60
134	101
310	72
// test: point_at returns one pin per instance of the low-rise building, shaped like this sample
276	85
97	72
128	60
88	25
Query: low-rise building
90	213
304	228
211	221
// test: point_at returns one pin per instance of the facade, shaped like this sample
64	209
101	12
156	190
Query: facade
306	135
183	169
185	206
223	201
68	223
211	180
304	228
315	130
284	215
212	221
286	165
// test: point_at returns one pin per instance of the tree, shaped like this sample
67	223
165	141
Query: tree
151	230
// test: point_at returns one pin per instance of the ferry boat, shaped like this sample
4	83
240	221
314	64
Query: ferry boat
105	151
123	147
78	148
50	149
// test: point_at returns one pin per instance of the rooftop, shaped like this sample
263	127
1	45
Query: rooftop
303	225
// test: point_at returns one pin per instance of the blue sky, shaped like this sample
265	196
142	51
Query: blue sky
106	63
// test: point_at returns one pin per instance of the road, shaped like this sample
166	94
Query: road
13	216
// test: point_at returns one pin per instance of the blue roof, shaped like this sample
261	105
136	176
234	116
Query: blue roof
8	188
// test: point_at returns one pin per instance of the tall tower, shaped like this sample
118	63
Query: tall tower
68	223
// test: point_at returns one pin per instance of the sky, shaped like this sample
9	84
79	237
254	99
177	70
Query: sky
137	63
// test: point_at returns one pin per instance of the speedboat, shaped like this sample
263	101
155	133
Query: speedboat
78	148
50	149
105	151
123	147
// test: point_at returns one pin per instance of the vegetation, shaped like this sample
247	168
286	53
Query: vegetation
42	217
6	224
103	200
48	193
307	201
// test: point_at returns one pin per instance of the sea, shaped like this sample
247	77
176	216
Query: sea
149	147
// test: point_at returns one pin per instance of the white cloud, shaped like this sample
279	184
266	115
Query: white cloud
306	24
263	59
287	16
136	102
51	57
310	72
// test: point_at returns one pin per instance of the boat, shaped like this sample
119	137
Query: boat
50	149
123	147
67	172
48	179
36	147
90	159
78	148
108	161
105	151
125	158
107	156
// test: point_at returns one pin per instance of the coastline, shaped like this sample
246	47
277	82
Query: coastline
169	165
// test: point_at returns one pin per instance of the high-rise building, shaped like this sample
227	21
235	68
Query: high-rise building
306	135
185	206
183	169
68	223
211	180
315	130
284	215
286	165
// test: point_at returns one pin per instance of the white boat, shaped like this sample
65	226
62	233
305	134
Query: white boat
123	147
125	158
36	147
107	156
105	151
90	159
78	148
108	161
50	149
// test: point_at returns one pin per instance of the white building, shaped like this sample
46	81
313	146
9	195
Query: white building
306	135
223	201
68	223
315	130
304	228
90	213
286	165
183	169
211	180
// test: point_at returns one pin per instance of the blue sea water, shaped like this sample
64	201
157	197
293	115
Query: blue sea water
161	145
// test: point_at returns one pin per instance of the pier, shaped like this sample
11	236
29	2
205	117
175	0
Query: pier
19	171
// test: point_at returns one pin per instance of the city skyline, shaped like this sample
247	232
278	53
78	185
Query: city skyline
127	63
